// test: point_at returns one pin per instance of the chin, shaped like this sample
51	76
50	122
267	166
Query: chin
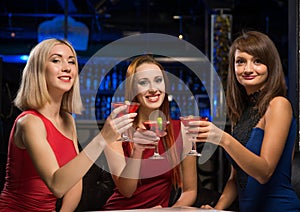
153	105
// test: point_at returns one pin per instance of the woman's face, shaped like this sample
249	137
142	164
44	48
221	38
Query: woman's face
250	72
61	69
150	85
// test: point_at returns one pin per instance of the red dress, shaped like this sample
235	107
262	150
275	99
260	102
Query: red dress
155	185
24	190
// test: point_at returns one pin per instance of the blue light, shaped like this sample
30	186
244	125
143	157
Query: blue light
24	57
14	58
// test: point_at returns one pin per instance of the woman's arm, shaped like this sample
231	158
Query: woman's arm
33	136
189	189
229	194
72	198
126	172
276	124
277	121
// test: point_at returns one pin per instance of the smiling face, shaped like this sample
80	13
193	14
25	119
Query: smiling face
61	69
150	86
250	71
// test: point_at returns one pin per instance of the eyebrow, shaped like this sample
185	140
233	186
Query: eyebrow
59	55
144	78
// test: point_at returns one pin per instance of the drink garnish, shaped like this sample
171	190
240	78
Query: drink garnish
160	123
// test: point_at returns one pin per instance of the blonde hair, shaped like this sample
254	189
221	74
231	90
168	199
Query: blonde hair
33	92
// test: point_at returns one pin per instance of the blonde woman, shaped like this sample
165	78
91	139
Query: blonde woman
43	161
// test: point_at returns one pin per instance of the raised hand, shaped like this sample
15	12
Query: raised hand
204	131
115	125
144	139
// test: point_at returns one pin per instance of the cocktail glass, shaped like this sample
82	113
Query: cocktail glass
158	126
131	108
185	121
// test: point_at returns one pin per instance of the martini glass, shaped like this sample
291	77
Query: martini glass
159	127
185	121
131	108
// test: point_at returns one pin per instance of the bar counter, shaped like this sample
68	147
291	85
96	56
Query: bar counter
183	209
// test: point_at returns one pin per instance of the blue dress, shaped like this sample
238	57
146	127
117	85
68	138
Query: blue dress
277	194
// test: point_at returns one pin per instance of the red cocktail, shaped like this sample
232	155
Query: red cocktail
185	121
159	127
131	108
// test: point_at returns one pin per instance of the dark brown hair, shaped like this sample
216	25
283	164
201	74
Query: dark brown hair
260	46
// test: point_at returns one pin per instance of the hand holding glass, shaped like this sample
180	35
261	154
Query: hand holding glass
131	108
185	121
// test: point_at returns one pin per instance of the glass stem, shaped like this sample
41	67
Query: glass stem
194	146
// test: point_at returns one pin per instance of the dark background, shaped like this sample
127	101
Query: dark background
109	20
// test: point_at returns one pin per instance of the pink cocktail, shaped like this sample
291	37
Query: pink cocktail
159	127
154	126
185	121
131	108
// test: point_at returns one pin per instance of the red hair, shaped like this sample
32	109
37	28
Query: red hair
169	139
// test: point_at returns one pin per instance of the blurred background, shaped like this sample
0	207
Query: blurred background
22	23
209	25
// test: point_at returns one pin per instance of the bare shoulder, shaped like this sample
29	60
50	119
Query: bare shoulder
279	107
280	102
29	121
28	127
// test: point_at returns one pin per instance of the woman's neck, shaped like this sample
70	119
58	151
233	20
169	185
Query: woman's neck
51	110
